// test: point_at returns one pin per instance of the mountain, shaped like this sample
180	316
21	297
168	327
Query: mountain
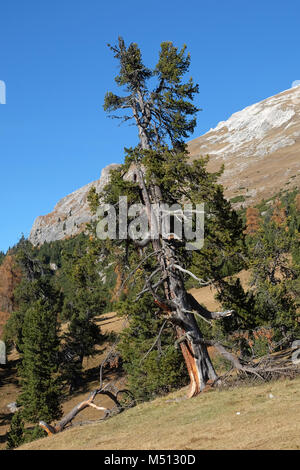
70	215
259	147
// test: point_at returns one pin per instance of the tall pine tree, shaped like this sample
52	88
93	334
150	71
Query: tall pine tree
41	390
159	102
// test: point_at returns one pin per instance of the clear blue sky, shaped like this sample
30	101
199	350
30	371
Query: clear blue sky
54	134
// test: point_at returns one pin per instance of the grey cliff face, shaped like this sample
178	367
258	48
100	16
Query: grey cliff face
70	215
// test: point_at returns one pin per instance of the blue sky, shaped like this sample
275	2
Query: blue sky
54	60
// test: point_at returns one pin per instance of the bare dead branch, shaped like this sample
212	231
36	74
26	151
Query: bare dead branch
266	367
203	312
68	418
201	281
155	342
145	288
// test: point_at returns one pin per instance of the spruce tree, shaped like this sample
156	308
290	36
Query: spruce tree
15	436
275	269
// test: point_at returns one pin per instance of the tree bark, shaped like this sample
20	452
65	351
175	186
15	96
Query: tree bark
193	348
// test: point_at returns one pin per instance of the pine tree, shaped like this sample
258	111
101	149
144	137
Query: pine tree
161	173
15	436
151	361
86	300
252	221
34	329
275	272
40	396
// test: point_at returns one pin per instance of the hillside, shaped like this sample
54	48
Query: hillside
258	417
263	136
259	147
10	389
109	323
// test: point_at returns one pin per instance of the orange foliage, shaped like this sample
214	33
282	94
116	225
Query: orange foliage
251	336
279	213
297	201
10	277
116	292
252	221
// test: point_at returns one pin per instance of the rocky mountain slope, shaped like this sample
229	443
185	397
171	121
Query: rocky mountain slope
70	214
259	146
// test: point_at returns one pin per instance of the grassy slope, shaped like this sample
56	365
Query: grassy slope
9	386
209	421
206	422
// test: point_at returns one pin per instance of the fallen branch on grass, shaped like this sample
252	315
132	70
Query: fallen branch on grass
127	402
122	399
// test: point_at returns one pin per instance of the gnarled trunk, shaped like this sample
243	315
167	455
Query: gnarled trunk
193	348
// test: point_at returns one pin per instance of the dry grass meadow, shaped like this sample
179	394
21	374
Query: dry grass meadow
247	417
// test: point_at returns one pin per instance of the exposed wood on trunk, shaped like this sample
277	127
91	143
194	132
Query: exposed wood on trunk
195	353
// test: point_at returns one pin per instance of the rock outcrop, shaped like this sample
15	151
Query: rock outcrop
70	215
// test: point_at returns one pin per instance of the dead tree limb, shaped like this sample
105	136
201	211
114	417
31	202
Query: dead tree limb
68	418
206	313
268	366
136	268
155	342
201	281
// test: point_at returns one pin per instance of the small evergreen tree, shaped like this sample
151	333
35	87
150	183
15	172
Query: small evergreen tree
34	329
275	271
86	299
150	359
2	256
15	436
40	382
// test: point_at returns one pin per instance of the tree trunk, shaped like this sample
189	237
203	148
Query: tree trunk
193	348
198	365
